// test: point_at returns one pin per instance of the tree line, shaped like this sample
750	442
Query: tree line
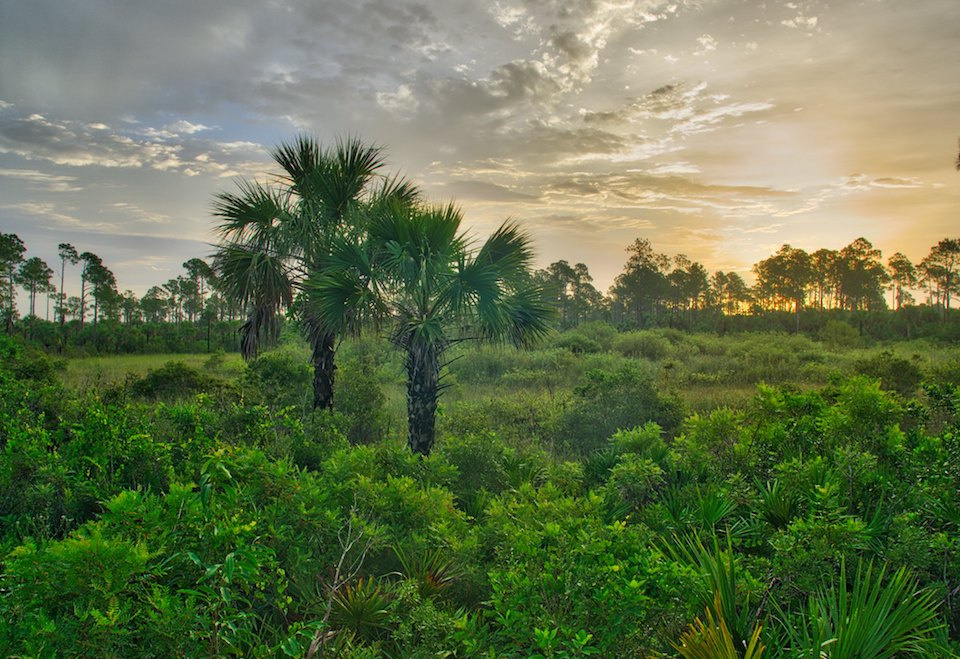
654	287
185	303
651	288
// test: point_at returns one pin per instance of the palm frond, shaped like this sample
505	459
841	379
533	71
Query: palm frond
508	249
711	639
879	616
251	214
525	315
720	582
300	160
397	189
261	323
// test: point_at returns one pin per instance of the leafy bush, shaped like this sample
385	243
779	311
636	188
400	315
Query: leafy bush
360	398
577	343
174	381
281	378
839	334
603	333
647	344
895	373
481	464
610	401
635	479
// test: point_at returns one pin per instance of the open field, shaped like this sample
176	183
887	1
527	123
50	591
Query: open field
103	370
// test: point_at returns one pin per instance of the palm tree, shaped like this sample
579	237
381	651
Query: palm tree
417	270
275	237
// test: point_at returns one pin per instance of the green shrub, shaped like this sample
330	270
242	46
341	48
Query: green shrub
360	398
175	381
646	344
281	378
603	333
635	480
577	343
895	373
839	334
481	464
610	401
710	445
645	441
563	576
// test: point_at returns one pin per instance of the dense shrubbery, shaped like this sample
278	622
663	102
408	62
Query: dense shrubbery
169	518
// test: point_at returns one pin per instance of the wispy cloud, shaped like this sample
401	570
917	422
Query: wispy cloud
43	180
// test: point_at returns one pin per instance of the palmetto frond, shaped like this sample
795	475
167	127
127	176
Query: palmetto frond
507	249
260	280
251	276
253	215
399	190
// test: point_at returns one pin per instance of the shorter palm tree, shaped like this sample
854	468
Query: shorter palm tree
416	271
275	236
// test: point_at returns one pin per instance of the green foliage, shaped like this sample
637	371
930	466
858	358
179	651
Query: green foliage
895	373
210	525
280	378
360	398
645	441
647	344
721	587
712	639
562	573
432	571
603	333
361	608
610	401
577	343
712	444
481	462
635	479
175	381
879	616
839	334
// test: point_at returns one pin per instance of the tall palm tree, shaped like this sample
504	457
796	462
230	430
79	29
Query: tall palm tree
276	236
417	271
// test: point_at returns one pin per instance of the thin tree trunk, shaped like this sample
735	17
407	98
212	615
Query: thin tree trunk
323	371
62	296
423	389
83	300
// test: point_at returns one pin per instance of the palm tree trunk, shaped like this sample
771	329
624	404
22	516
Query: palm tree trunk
423	389
323	371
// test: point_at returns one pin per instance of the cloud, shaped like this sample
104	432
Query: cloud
486	191
862	182
401	101
707	44
42	180
140	215
184	127
36	137
55	214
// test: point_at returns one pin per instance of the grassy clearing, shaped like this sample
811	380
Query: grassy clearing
705	371
102	371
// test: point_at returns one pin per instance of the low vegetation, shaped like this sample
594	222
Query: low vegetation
576	503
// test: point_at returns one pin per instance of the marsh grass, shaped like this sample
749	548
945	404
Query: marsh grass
706	371
86	373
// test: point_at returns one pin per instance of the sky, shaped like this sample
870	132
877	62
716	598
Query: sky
720	129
